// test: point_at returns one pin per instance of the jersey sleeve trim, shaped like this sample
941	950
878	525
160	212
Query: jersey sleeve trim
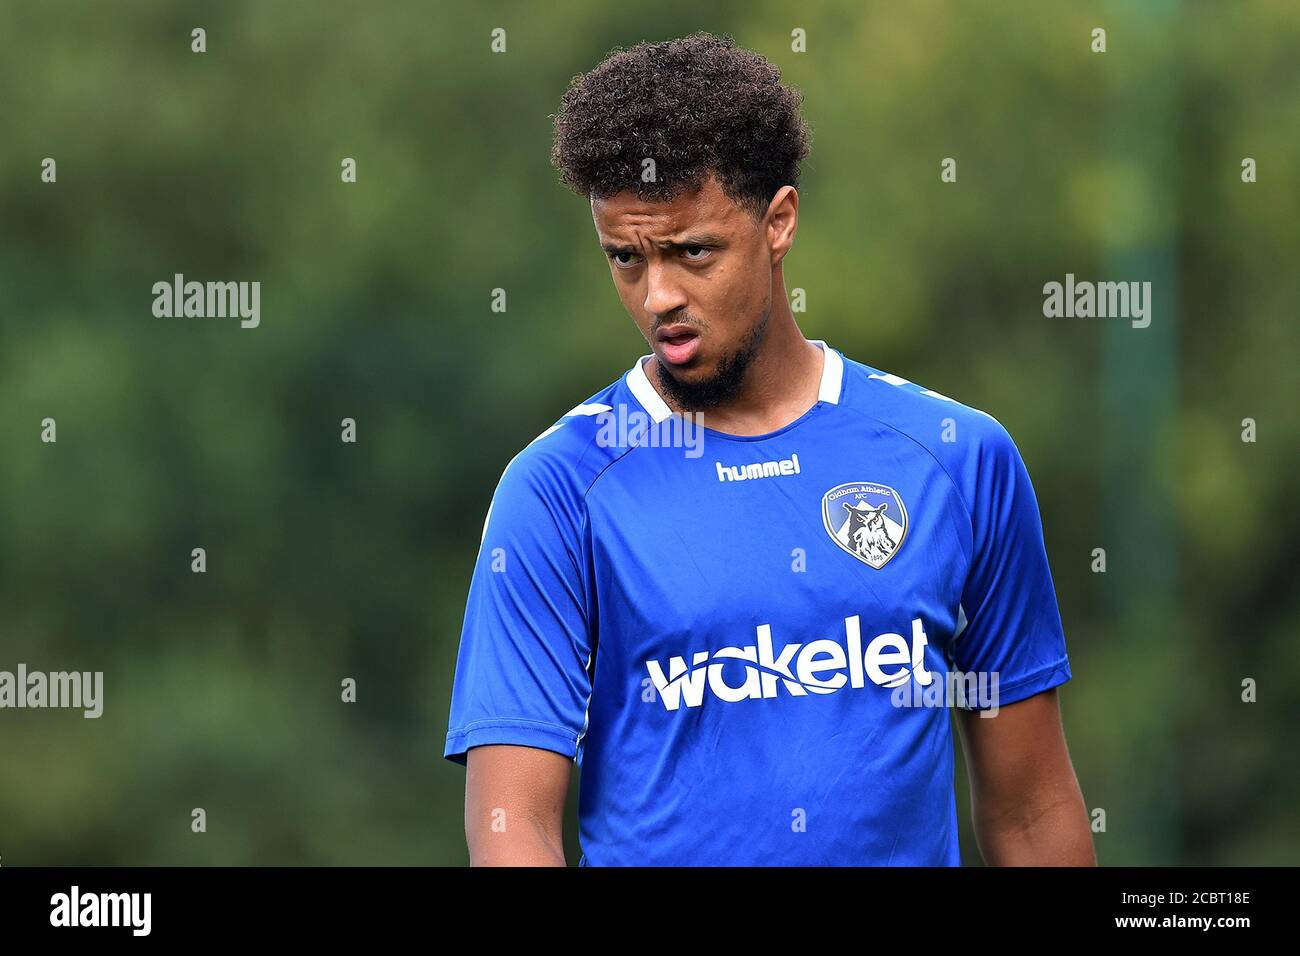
519	731
1045	678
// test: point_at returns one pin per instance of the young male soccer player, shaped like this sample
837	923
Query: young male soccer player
739	639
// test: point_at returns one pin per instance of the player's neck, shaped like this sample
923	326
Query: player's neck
781	384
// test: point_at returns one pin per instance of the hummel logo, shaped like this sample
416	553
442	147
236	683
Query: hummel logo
762	469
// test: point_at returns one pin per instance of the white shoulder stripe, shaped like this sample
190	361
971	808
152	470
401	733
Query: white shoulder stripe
898	380
594	408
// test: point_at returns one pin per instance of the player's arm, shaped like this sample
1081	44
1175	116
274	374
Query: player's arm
514	806
1026	803
1025	798
523	683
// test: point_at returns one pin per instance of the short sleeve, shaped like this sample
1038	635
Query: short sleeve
1012	621
522	670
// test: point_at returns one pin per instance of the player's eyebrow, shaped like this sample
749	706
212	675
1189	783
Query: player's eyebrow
685	242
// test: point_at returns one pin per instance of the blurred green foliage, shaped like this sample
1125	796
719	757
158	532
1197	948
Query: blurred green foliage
328	560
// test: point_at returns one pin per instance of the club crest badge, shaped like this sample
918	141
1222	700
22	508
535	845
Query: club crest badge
867	520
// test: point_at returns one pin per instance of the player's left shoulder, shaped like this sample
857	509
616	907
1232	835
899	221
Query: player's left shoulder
932	418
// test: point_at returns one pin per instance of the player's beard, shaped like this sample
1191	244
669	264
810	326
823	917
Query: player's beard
726	380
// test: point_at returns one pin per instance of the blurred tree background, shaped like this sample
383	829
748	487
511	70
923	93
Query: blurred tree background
329	560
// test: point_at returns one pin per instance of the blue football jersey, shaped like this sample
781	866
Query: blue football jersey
751	644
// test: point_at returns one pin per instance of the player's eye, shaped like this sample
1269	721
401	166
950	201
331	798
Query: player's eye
703	250
616	258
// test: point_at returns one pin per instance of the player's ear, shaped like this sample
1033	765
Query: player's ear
781	221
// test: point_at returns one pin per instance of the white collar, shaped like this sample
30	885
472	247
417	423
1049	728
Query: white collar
652	401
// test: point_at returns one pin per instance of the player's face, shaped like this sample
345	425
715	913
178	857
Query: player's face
695	274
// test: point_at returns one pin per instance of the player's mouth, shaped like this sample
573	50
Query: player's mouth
678	343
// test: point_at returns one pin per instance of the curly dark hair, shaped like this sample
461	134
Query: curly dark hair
697	105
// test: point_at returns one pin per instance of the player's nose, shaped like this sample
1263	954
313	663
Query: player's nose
663	295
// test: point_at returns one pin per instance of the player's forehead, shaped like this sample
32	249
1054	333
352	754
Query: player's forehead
626	217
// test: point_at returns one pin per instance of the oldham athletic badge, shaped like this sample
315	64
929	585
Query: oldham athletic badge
867	520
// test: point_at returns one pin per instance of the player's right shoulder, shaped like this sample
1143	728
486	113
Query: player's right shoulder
555	469
573	443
